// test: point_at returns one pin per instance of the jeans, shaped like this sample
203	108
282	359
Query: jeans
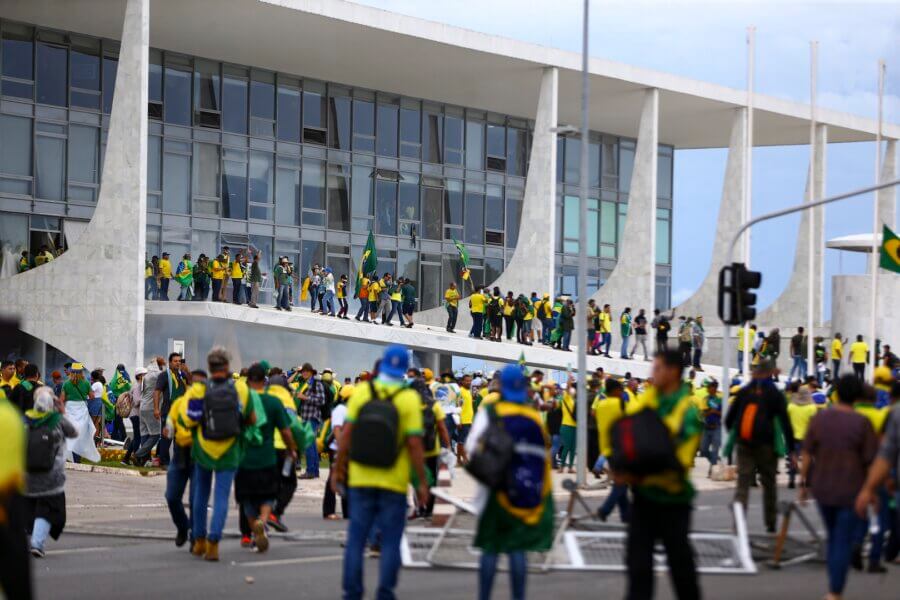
835	368
547	326
452	313
203	484
884	524
640	340
39	533
565	339
841	523
623	352
450	424
555	445
605	342
799	366
284	300
312	455
518	572
328	302
740	361
217	289
477	325
177	476
385	511
237	286
151	290
698	356
163	289
201	290
313	297
342	302
363	312
859	369
395	308
329	501
185	293
135	437
162	449
710	444
618	496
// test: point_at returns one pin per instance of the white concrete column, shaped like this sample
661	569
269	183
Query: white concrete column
633	281
704	301
531	268
89	302
887	197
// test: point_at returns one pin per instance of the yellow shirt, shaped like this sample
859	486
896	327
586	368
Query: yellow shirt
467	407
374	290
452	297
182	435
218	269
858	351
476	301
12	382
800	416
606	412
12	448
439	416
508	309
148	271
288	402
837	349
236	271
165	268
746	339
568	410
396	296
876	416
604	322
340	289
409	410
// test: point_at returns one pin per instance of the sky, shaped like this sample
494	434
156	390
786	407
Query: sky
707	41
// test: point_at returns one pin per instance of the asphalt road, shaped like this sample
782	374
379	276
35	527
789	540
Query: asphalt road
101	566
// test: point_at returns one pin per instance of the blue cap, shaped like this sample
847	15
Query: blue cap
395	361
513	384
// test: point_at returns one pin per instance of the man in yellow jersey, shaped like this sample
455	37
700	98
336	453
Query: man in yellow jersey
466	415
237	279
381	443
607	411
219	266
837	355
477	303
605	330
859	356
801	409
180	468
8	378
567	431
165	274
746	340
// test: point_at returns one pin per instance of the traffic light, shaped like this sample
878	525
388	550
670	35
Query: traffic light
737	302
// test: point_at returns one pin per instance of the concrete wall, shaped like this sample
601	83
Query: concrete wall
532	264
850	299
89	302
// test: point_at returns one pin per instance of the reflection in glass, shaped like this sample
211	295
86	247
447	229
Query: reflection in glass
178	96
363	198
593	230
363	126
206	170
287	197
83	160
51	75
313	110
313	253
206	85
15	145
387	130
493	213
50	165
607	222
261	177
385	207
288	113
339	122
570	224
154	88
594	163
664	174
513	215
453	138
474	145
626	164
262	97
453	203
177	183
339	197
432	140
431	293
314	184
474	218
496	140
516	145
16	52
85	75
573	160
110	66
410	125
234	105
432	203
409	201
154	158
234	189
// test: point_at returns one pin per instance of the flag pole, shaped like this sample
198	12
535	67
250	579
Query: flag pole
876	220
744	367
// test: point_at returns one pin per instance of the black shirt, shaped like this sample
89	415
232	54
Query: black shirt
23	397
773	404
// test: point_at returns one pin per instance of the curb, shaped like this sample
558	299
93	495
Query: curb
111	470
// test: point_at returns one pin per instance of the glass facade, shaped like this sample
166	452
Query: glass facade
242	156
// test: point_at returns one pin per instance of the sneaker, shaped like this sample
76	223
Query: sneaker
246	542
37	553
276	524
260	537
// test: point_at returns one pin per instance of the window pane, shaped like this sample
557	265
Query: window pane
409	201
608	222
287	197
50	174
85	74
515	151
408	266
262	178
662	241
496	140
110	66
474	218
386	207
234	105
339	122
664	175
206	170
573	160
453	137
453	203
13	236
288	114
626	165
154	155
409	133
176	183
339	197
570	224
313	110
234	190
84	148
593	232
513	214
387	130
206	85
363	202
17	52
363	126
314	184
431	291
262	96
15	145
432	140
432	201
594	164
178	97
474	145
155	77
51	75
493	217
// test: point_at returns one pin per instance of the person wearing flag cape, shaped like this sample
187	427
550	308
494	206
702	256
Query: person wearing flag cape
517	517
184	275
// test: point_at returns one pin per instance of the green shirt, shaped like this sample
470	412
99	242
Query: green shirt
263	456
77	393
408	293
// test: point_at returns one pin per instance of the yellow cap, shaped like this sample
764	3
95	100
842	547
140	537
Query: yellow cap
77	367
883	375
428	374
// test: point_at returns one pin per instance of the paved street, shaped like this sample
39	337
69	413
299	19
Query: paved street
87	565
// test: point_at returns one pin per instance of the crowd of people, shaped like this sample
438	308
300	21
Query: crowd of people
214	430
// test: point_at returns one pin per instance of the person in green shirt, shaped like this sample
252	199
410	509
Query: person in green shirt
257	481
408	301
24	262
201	278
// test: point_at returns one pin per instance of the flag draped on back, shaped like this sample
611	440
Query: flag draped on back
890	250
463	257
367	263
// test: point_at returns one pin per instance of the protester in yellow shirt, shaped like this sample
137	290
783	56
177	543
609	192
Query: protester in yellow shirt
567	432
164	267
476	306
466	413
859	356
181	465
746	340
837	355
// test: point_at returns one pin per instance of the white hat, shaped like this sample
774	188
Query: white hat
477	382
140	371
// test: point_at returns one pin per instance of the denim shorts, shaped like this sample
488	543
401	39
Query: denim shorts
95	407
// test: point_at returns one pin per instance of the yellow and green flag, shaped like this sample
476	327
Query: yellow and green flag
890	250
463	257
368	263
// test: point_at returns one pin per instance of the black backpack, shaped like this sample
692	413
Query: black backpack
43	444
642	445
221	411
374	438
489	461
429	425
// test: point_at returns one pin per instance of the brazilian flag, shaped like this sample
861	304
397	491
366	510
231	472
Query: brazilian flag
463	257
890	250
367	263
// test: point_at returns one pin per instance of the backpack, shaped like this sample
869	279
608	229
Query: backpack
754	425
375	432
662	328
494	309
686	334
429	425
124	404
43	445
489	461
221	411
642	445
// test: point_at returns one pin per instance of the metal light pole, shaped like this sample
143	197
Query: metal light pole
876	223
580	323
811	196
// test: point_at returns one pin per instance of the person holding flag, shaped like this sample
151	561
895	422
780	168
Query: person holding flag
184	275
463	259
